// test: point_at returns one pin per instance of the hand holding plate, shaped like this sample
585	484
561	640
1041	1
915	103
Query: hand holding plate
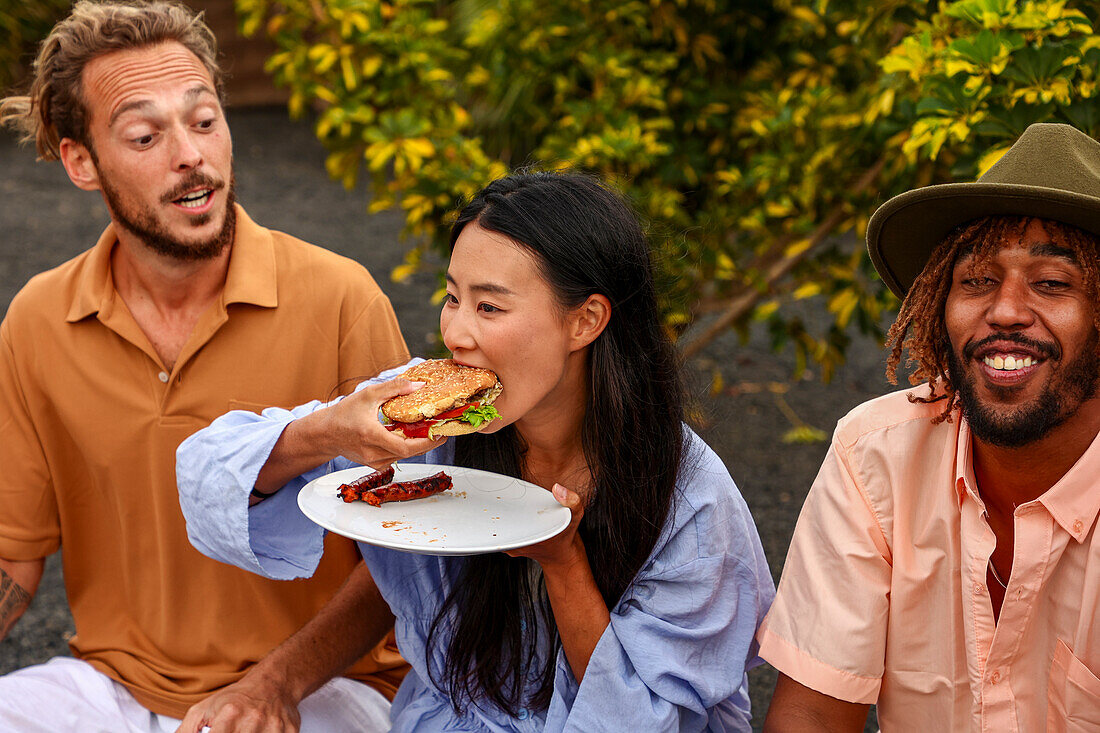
566	547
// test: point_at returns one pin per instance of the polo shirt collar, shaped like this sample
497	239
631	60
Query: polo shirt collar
250	278
95	286
1073	502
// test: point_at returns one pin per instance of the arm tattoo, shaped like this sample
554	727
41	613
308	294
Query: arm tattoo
14	599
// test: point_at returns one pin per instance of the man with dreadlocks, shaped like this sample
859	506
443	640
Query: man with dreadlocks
946	564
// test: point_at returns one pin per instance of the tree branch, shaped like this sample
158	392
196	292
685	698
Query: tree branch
742	303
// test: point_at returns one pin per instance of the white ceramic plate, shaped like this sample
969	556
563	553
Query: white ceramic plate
483	512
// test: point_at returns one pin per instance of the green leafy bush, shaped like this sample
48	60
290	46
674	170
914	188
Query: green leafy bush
755	137
22	25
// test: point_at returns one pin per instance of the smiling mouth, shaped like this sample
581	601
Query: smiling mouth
1010	358
195	199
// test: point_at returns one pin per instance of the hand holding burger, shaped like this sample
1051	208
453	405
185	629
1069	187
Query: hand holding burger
429	401
455	400
350	428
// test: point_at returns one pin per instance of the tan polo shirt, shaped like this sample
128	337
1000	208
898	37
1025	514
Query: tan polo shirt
89	424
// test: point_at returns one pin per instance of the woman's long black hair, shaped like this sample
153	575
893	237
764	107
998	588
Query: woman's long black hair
586	241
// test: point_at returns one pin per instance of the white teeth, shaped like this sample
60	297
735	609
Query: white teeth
196	199
1008	363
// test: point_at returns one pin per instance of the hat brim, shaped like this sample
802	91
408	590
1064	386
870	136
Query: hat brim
903	232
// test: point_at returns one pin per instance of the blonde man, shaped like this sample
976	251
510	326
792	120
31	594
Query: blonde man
183	308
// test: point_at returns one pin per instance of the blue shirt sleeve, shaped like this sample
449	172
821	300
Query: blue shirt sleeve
679	643
216	469
675	654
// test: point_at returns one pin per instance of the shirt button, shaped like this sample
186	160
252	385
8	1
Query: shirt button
979	588
995	677
1078	525
523	714
163	376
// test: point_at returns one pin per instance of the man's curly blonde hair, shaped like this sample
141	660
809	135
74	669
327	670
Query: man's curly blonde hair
55	108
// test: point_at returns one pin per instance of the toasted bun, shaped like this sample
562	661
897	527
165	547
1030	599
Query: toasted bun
452	427
447	427
447	385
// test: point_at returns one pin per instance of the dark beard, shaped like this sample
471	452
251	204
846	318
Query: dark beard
143	224
1059	400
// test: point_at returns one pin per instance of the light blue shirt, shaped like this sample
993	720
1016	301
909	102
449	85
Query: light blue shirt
673	658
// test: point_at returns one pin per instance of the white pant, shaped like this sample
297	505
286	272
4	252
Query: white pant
68	695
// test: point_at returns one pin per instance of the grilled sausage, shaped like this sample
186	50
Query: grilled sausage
406	490
353	490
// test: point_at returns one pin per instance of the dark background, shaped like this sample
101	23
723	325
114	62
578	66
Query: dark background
45	220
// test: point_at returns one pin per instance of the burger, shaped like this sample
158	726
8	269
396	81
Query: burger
454	400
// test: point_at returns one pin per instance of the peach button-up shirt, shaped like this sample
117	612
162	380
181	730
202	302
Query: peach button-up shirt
884	600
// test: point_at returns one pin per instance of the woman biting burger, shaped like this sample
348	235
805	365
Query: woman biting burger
639	615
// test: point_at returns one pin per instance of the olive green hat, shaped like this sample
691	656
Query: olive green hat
1052	172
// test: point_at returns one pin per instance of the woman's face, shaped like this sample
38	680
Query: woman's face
500	314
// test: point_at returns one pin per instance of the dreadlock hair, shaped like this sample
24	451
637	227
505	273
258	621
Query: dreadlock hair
921	328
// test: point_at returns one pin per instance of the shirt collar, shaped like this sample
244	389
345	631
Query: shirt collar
95	285
1073	502
1075	499
250	278
965	483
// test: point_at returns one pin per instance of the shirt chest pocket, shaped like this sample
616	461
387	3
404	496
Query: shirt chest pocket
1073	694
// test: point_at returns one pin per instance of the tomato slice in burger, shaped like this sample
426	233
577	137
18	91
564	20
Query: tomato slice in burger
412	429
456	412
420	429
417	429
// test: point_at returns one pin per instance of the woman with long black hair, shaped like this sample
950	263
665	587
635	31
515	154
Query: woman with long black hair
640	615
